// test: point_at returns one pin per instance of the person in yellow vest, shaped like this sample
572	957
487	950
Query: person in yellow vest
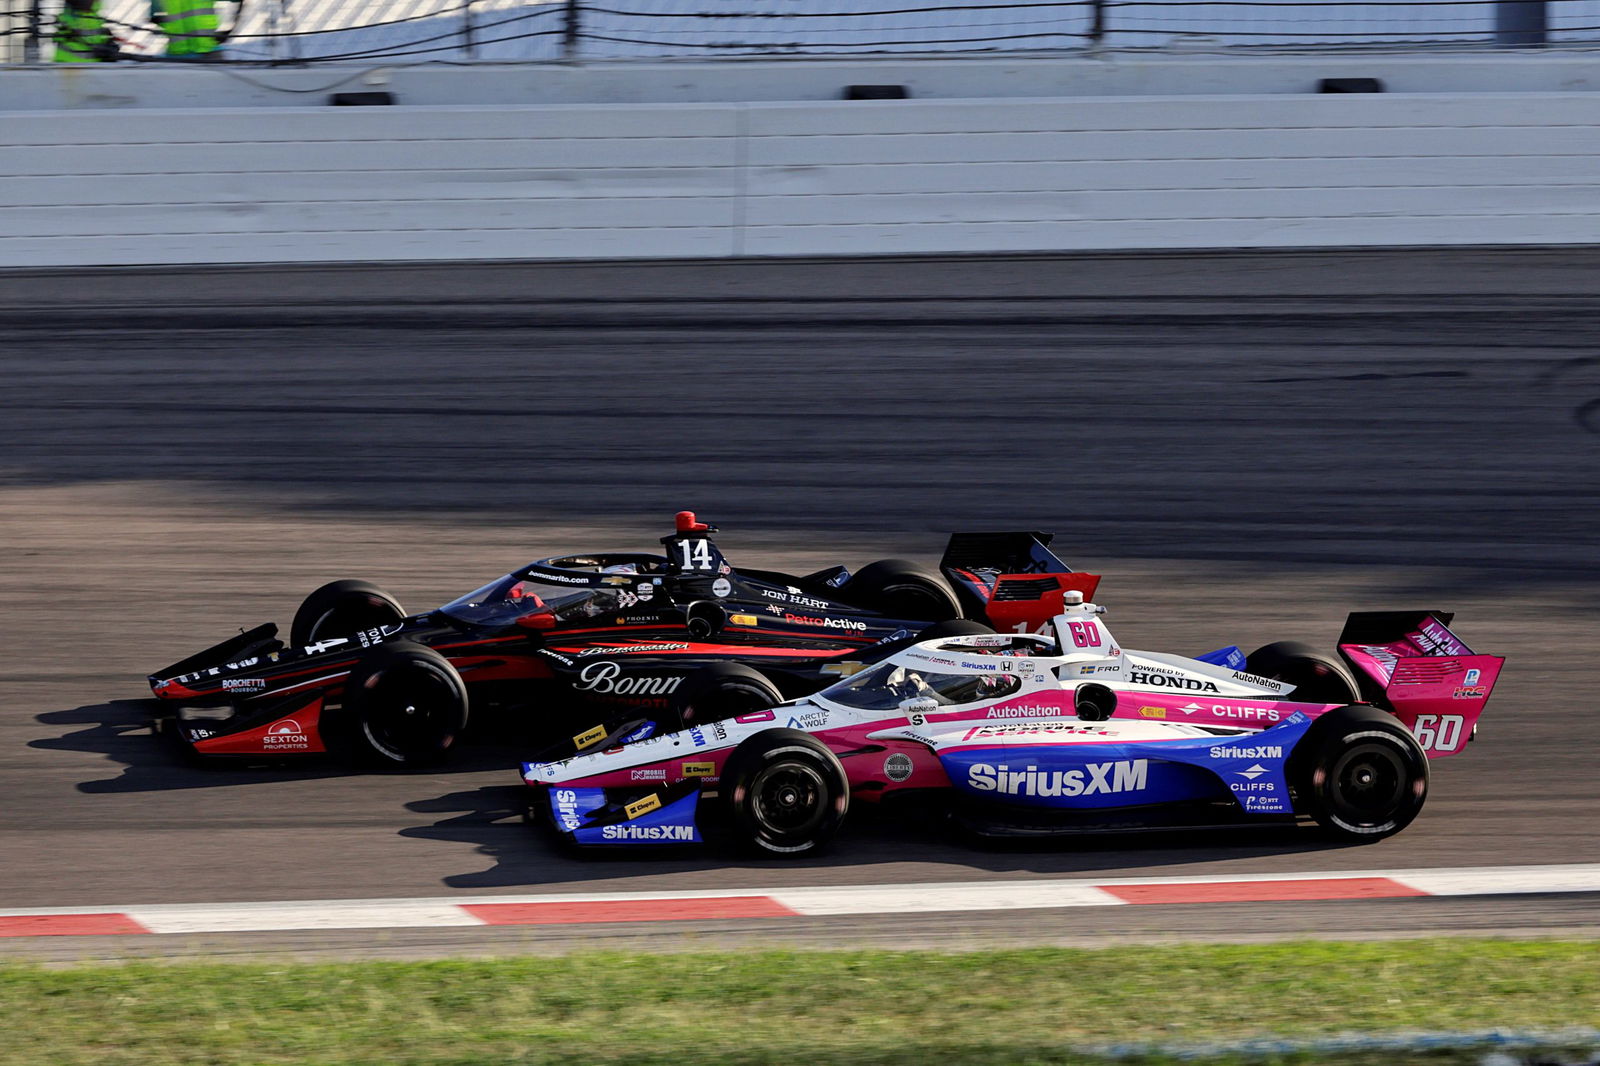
82	35
192	28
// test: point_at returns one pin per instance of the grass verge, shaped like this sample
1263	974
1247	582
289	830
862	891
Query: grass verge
865	1007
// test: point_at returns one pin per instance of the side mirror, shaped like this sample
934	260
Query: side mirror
1094	703
705	618
918	708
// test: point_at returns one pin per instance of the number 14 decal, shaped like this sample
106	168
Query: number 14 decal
696	554
1084	634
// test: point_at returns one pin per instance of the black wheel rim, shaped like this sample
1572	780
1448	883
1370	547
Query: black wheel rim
350	618
411	711
788	799
1367	784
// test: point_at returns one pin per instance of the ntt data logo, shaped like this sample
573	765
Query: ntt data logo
1096	778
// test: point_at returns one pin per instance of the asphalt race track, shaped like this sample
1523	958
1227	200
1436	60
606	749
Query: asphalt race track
1246	446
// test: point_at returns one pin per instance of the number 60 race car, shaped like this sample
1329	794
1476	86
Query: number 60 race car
1029	735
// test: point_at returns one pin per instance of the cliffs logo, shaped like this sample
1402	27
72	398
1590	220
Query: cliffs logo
286	734
1187	684
1096	778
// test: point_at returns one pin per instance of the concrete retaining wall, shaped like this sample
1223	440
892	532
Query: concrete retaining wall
817	178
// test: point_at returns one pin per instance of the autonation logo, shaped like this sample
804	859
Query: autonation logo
648	832
1096	778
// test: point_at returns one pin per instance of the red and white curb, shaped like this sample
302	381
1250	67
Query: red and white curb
582	908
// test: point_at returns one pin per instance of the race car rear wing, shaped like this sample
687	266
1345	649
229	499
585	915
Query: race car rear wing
1411	663
1011	579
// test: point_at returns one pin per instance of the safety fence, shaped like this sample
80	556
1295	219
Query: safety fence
298	31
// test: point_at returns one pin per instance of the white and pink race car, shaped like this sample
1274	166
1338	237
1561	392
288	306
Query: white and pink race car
1032	735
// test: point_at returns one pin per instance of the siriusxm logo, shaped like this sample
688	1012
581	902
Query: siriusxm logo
567	808
648	832
1095	778
1263	752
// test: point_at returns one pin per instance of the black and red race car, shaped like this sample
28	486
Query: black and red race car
594	648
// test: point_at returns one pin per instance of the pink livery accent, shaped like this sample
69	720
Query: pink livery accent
1199	709
1432	681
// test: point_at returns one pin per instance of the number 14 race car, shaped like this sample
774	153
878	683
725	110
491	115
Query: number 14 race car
1024	735
589	646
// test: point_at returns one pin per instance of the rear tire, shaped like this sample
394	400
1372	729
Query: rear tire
784	793
725	690
1360	773
900	588
954	627
341	608
1316	677
404	706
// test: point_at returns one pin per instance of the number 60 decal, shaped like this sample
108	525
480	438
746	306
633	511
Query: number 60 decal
1084	634
1445	736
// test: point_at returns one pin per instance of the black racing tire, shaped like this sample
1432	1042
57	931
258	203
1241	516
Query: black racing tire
783	793
1360	773
1317	678
341	608
724	690
954	627
404	706
900	588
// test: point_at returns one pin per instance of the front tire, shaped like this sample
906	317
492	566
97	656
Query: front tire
341	608
1360	773
404	706
784	793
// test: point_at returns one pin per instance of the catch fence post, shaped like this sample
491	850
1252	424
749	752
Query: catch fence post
569	34
1097	22
33	40
1521	23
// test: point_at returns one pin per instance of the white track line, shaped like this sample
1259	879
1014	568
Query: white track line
703	904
